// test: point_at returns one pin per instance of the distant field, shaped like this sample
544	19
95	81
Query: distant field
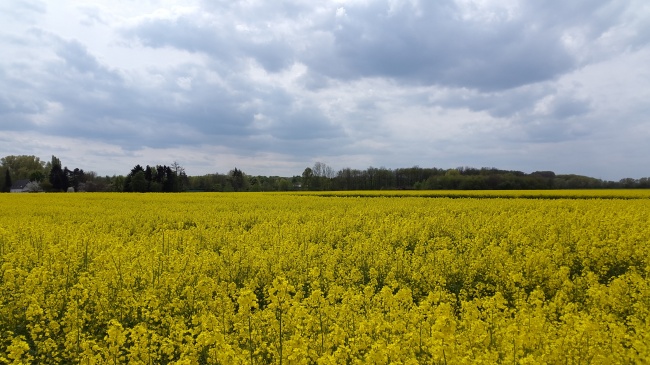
523	194
412	277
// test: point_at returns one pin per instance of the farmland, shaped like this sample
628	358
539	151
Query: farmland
325	278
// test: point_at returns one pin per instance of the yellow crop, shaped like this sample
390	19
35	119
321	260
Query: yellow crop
356	278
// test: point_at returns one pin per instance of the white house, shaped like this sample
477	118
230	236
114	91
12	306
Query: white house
19	186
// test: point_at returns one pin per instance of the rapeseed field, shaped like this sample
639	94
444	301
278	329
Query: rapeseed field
325	278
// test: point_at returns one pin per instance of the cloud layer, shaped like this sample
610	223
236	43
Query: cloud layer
272	87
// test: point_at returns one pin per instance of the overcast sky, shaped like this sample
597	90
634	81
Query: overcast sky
271	87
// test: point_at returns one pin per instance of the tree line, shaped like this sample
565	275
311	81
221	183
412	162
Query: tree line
461	178
52	176
42	176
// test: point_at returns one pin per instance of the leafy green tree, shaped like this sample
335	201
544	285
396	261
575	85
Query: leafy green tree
117	183
94	183
307	177
138	182
155	187
256	184
283	184
37	176
644	182
23	166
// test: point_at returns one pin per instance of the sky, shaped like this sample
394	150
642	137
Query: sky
271	87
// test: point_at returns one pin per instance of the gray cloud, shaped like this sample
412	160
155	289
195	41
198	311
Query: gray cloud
570	107
433	44
182	107
303	124
287	83
76	56
218	36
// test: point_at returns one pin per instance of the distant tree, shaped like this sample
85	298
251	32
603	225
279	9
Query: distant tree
155	187
58	176
296	180
148	175
318	169
23	166
307	177
128	181
546	174
256	183
177	168
209	182
76	177
644	182
7	183
345	179
371	178
159	178
33	187
283	184
573	181
160	174
181	182
94	183
628	183
236	179
136	169
323	175
46	185
117	183
452	172
169	184
138	182
37	176
68	174
323	170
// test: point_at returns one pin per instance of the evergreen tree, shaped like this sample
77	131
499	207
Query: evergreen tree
128	181
7	186
237	179
58	177
170	179
76	177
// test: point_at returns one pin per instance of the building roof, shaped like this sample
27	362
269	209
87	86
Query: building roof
19	184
